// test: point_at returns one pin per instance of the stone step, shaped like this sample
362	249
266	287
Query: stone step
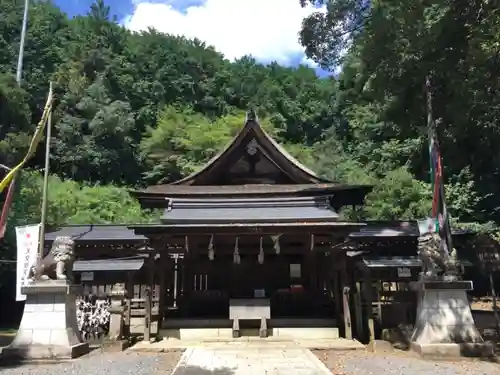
288	333
248	343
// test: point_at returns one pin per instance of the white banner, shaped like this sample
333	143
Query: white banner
426	226
27	238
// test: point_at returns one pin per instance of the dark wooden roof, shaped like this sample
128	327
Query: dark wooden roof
393	229
95	233
252	165
249	210
396	262
250	189
314	215
95	265
158	196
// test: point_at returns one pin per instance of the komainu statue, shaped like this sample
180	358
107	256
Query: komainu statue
58	263
432	253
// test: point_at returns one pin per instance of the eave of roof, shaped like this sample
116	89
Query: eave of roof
340	195
392	230
396	262
89	233
96	265
247	228
249	190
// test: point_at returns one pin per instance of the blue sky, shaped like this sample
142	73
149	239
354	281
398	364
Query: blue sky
221	23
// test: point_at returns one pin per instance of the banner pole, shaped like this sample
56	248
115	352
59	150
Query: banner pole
45	179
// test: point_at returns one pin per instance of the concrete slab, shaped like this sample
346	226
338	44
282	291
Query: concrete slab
290	361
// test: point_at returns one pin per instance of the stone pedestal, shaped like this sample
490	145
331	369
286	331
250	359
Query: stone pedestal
48	327
445	326
116	341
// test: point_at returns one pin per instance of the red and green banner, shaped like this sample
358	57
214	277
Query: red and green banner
440	218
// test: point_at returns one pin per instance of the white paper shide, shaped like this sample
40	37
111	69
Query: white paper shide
27	238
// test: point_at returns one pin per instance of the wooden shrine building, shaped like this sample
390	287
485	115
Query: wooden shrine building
253	234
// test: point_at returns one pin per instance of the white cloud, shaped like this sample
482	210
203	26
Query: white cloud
266	29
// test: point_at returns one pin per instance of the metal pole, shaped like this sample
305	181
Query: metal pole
21	44
45	178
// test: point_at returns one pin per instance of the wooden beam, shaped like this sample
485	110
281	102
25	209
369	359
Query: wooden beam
319	228
227	248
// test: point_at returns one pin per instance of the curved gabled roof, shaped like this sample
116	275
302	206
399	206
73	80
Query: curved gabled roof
296	171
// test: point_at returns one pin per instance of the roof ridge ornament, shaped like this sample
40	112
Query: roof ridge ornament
251	115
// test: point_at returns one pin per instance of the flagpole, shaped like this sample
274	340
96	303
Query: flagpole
45	178
21	44
10	193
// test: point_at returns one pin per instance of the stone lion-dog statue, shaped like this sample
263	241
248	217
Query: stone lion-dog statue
58	263
434	261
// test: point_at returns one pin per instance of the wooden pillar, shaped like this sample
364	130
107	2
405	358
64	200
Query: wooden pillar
347	312
164	258
128	305
148	297
358	310
368	296
187	281
337	295
346	291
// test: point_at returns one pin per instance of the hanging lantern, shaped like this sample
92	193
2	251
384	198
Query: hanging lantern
211	252
276	242
236	253
260	258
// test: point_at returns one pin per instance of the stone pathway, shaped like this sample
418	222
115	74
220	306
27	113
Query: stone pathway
250	361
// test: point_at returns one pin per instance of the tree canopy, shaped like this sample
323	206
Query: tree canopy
145	108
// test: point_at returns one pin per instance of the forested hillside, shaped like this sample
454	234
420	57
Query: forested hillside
137	109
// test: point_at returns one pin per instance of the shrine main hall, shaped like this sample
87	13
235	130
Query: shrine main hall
254	243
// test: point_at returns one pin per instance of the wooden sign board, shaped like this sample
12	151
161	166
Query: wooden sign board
404	272
87	276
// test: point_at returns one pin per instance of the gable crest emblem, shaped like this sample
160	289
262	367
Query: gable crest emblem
252	147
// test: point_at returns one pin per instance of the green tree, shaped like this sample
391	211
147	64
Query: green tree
183	141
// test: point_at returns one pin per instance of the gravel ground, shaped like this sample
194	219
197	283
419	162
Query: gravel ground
97	363
340	363
399	363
